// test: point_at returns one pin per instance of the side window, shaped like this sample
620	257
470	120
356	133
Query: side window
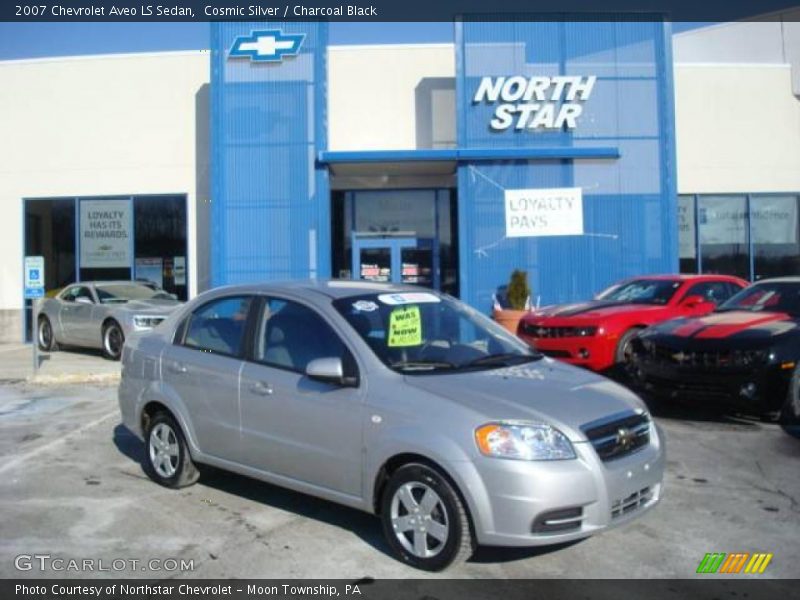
68	295
712	291
291	335
84	292
219	326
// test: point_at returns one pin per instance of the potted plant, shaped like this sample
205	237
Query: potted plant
518	295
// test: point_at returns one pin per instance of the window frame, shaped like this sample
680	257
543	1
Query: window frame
258	322
182	330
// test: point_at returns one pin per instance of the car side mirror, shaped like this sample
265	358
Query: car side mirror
694	301
329	370
83	300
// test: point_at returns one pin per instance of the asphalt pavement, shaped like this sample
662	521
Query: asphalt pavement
72	486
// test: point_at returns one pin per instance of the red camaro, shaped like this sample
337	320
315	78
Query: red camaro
597	334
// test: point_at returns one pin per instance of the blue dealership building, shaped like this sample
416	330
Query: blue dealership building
563	163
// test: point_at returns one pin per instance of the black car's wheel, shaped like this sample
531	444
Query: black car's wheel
424	519
45	336
168	460
113	339
790	413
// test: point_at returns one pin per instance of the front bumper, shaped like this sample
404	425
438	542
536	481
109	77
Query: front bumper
755	390
592	352
536	503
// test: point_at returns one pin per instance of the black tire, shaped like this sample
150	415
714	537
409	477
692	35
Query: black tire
181	471
45	336
789	417
448	515
113	340
622	353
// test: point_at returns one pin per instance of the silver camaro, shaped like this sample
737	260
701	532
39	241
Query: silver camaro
101	314
399	401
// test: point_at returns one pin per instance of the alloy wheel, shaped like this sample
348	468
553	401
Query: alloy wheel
164	453
419	519
113	341
45	334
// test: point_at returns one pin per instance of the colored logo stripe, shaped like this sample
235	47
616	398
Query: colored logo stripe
758	563
720	562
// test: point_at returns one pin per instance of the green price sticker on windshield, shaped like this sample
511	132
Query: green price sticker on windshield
405	327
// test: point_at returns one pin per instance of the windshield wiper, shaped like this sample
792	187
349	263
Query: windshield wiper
422	365
505	359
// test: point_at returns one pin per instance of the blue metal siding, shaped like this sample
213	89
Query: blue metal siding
270	201
629	202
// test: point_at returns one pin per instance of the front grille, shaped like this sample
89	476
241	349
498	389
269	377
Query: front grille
707	388
539	331
635	501
558	521
720	359
554	353
619	435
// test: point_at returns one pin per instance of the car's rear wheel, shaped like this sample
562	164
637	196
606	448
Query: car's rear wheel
45	336
113	340
424	519
168	459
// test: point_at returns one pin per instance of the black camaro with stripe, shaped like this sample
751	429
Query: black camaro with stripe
745	354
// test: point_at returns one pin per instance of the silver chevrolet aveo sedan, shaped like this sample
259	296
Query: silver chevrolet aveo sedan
399	401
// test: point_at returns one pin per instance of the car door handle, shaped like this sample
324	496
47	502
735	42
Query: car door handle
261	388
177	367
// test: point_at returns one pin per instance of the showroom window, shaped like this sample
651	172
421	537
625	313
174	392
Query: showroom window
753	236
108	237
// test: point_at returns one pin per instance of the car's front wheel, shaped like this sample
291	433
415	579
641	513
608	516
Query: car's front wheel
623	355
113	339
168	460
44	335
424	519
790	413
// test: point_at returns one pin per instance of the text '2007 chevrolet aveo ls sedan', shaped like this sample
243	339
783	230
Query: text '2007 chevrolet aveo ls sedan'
395	400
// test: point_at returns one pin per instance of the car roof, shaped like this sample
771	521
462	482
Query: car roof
332	288
686	277
779	280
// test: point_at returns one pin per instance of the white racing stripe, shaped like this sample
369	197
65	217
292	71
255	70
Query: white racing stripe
18	460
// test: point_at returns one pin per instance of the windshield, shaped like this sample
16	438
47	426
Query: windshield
769	297
420	332
642	291
118	293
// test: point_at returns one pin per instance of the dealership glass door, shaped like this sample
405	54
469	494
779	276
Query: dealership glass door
396	260
396	235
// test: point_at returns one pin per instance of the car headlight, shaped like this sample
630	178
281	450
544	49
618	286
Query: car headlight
523	441
146	322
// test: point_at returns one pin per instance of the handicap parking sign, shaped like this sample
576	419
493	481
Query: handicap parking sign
34	276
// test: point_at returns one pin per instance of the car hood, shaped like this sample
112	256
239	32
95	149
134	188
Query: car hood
564	396
740	324
594	310
147	307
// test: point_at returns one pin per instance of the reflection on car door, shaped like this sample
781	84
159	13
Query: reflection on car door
76	317
203	368
293	425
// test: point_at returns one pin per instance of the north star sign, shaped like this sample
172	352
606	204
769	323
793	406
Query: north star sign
535	102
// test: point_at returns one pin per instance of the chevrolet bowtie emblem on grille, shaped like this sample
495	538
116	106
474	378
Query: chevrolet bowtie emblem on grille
541	332
269	45
679	357
625	438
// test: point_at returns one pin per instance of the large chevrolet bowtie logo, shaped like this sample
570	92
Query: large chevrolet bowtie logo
269	45
625	438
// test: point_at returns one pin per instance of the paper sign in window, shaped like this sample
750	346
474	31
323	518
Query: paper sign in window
405	327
